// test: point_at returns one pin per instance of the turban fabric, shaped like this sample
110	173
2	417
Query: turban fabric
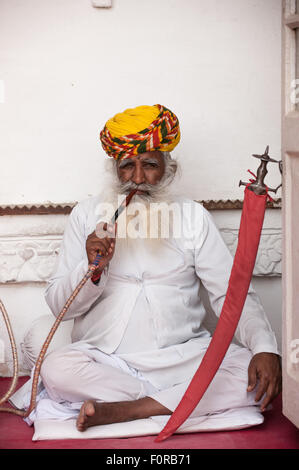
139	130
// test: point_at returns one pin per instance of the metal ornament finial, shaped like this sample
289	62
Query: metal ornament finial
258	186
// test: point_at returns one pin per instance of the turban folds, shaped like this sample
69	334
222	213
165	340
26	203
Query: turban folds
139	130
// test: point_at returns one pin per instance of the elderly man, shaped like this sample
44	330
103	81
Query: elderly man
138	336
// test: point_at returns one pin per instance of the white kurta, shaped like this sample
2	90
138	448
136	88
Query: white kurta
146	308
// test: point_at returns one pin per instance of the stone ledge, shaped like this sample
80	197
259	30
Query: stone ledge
65	208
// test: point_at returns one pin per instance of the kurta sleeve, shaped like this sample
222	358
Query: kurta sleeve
71	266
213	263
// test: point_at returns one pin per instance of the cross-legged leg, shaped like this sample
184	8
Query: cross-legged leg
228	389
109	394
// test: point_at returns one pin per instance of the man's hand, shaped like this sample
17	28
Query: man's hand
102	240
265	368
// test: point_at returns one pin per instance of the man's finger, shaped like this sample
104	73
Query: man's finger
262	388
270	394
251	379
100	244
103	247
111	229
105	230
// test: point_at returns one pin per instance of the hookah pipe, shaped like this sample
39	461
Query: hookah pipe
91	268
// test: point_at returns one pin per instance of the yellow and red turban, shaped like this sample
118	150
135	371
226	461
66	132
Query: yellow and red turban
139	130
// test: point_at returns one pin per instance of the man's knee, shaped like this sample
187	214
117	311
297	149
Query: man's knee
59	368
51	367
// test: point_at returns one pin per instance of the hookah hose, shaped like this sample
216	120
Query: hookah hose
91	268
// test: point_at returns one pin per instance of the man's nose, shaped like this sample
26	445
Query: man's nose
138	175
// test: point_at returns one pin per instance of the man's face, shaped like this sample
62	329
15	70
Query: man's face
145	168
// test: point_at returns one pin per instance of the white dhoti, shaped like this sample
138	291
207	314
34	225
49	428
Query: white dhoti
79	372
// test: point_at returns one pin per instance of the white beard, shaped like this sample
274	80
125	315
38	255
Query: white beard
141	219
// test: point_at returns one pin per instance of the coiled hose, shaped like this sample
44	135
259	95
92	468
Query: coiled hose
91	268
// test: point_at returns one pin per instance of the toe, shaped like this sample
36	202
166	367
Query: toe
81	419
87	411
89	408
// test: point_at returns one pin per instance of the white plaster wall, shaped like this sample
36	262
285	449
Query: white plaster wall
67	67
24	303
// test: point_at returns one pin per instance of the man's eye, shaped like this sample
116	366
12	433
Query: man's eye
151	165
128	165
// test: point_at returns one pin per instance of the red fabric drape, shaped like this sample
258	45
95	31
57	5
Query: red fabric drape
248	241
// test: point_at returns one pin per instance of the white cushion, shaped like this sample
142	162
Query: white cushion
36	335
229	420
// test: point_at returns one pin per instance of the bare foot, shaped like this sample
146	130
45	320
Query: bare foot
93	413
87	411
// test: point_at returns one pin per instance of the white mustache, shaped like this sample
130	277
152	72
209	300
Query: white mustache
147	188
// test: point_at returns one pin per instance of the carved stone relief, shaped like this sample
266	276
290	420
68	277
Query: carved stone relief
24	260
268	262
28	252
